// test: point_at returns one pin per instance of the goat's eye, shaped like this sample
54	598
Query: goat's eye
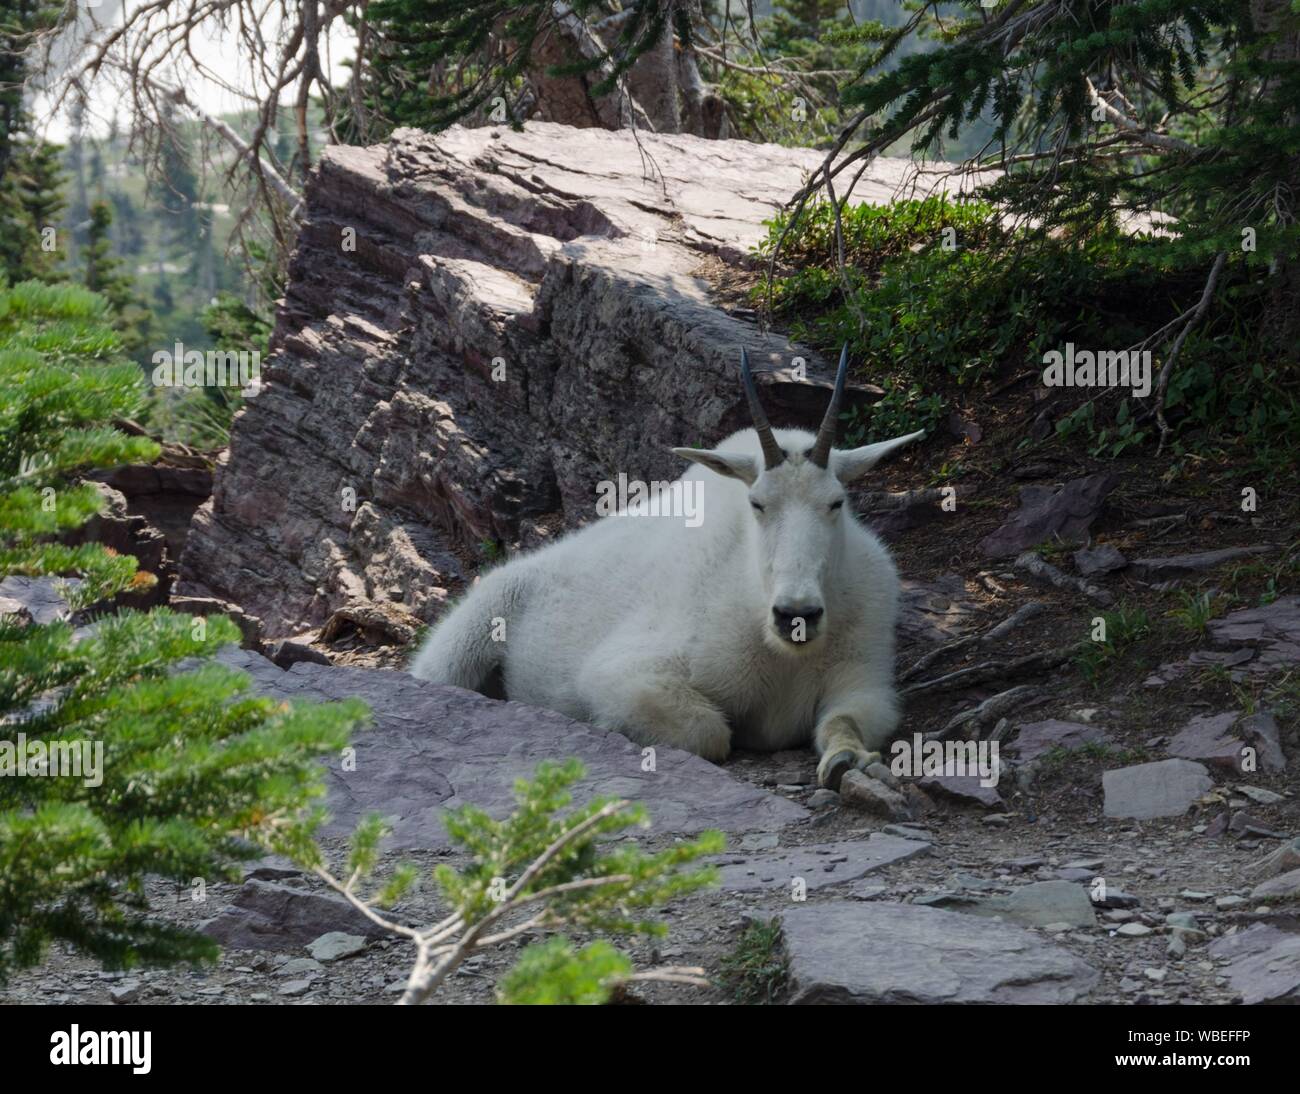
757	508
837	505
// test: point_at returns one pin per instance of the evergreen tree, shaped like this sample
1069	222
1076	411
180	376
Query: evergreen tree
182	774
31	207
1150	160
176	190
104	274
434	62
1187	107
30	179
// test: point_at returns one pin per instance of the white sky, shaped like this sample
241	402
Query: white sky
216	49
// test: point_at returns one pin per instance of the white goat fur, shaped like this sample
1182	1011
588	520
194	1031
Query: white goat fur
664	632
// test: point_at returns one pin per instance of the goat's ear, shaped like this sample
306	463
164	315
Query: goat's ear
853	463
734	465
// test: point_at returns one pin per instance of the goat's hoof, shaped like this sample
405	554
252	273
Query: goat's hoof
835	765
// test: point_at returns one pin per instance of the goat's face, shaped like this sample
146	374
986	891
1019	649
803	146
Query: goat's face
796	500
797	509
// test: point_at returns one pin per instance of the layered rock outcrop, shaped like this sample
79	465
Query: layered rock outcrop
480	326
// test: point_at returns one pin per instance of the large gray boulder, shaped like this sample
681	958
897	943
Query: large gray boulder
481	325
433	748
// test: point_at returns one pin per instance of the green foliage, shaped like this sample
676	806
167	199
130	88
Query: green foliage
1126	626
1104	441
30	177
1195	610
1212	88
939	301
802	36
935	300
555	974
916	310
756	970
104	274
634	880
181	775
551	866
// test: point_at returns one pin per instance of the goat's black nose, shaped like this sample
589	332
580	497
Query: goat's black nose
786	617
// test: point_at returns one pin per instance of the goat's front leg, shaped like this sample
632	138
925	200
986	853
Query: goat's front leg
849	735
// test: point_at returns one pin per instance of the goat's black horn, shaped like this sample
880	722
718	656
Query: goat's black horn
772	453
821	452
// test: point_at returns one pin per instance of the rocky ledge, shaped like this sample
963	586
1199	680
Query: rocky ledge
480	326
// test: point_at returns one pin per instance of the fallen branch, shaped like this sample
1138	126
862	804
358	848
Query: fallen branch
995	634
1044	571
1015	620
1167	369
886	502
993	708
996	670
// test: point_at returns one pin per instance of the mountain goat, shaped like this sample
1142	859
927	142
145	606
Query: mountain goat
767	622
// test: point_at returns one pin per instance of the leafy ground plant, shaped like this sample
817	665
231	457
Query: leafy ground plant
1196	610
1124	627
542	868
757	970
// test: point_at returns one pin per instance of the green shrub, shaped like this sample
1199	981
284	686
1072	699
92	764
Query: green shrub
939	301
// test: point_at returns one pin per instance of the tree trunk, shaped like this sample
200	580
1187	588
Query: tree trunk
664	91
653	79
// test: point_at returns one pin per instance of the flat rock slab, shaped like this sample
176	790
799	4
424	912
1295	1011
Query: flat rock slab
885	953
1263	964
1273	629
1065	512
1283	887
961	790
818	864
1165	788
1229	741
432	748
1040	904
1038	738
1206	738
266	915
1162	569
